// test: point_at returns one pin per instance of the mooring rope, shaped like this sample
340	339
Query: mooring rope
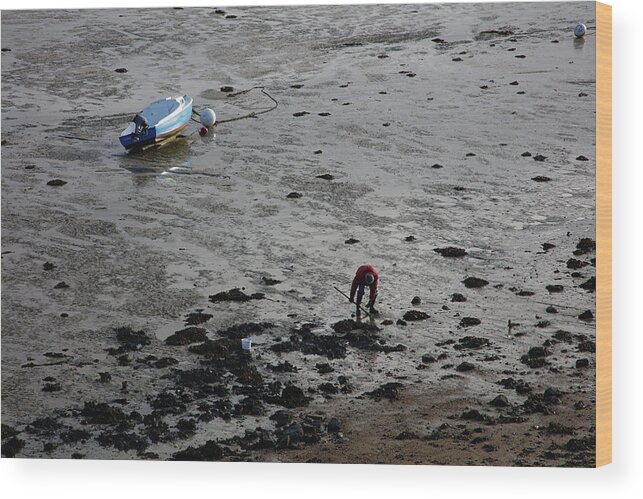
252	114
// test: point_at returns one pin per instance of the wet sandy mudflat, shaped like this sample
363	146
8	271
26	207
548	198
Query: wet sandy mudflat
458	126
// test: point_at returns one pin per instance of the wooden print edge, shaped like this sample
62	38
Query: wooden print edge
603	234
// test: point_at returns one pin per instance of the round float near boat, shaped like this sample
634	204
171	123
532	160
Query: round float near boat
208	118
580	30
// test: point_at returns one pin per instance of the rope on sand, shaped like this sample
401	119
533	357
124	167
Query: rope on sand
252	114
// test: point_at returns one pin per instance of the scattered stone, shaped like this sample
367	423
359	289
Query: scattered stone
210	451
436	166
101	413
457	59
333	426
52	387
457	297
235	294
427	358
130	340
587	346
514	83
582	158
104	377
500	401
547	246
387	322
415	315
351	241
187	336
475	282
475	415
542	324
525	293
554	288
401	322
407	435
164	362
416	300
541	178
585	245
450	252
326	176
535	358
300	113
581	363
293	396
471	342
294	195
318	151
409	238
574	264
540	157
324	368
551	310
469	321
470	155
586	444
227	89
121	70
465	366
526	154
48	266
11	446
297	85
586	316
61	285
390	391
582	94
589	285
195	318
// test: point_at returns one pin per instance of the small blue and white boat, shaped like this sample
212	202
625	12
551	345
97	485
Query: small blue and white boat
158	122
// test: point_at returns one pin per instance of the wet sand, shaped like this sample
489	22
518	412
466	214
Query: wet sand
431	123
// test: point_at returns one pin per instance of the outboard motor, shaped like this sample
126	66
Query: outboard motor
141	125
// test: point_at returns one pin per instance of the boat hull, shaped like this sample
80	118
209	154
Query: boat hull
166	128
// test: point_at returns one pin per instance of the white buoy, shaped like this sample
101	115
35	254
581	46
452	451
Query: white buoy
208	117
580	30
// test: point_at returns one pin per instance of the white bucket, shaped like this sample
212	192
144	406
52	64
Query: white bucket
246	343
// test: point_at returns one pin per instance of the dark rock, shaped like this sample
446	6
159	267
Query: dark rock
294	195
587	346
526	154
457	59
436	166
457	297
586	316
470	155
581	363
475	415
327	388
164	362
56	182
548	246
415	315
324	368
427	358
401	322
52	387
326	176
542	324
131	340
210	451
585	245
407	435
227	89
281	417
574	264
390	391
582	158
564	336
187	336
48	266
387	322
290	436
240	331
347	325
514	83
416	300
351	241
465	366
580	405
73	435
586	444
450	252
500	401
540	157
121	70
235	294
293	396
123	441
471	342
333	426
101	413
249	406
323	114
61	285
11	446
475	282
589	285
318	151
297	85
300	113
195	318
469	321
409	239
284	367
551	310
525	293
105	377
541	178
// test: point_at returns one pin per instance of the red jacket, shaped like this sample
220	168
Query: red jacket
360	278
